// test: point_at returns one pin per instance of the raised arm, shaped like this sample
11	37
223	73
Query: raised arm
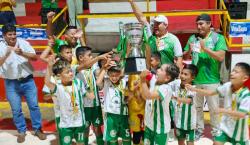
47	80
104	69
100	78
138	13
91	62
49	28
146	93
46	52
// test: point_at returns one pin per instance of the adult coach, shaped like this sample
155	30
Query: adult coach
15	54
208	51
160	40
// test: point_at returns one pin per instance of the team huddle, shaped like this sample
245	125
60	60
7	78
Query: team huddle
77	105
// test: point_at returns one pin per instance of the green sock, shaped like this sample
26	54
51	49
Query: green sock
99	140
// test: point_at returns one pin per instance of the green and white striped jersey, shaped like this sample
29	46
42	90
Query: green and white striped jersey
157	117
239	101
89	79
46	91
114	99
68	97
168	46
185	114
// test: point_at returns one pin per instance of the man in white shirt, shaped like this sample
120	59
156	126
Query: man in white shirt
16	70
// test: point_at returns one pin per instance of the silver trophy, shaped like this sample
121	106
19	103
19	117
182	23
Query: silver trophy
135	62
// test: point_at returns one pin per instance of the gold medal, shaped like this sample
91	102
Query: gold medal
234	104
182	94
75	109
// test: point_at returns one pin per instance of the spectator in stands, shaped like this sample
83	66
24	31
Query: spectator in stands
74	8
47	6
6	12
207	49
167	44
15	54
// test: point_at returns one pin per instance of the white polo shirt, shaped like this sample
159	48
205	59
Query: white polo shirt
16	66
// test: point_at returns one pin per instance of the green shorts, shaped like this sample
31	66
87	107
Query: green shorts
171	110
152	138
188	135
67	134
223	138
93	115
57	120
116	126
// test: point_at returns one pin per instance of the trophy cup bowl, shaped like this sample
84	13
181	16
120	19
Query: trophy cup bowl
136	62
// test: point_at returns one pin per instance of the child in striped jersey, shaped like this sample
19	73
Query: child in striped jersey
69	93
115	105
92	108
185	112
233	126
158	96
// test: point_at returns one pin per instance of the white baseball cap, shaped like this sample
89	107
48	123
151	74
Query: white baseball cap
161	19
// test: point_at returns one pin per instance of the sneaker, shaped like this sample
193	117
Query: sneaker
171	136
40	135
21	137
198	135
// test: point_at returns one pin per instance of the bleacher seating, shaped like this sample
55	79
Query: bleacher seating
33	13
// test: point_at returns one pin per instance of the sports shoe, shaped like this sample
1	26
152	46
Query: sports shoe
198	135
21	137
40	135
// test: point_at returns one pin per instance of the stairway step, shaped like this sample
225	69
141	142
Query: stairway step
33	9
22	20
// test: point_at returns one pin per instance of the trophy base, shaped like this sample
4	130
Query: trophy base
134	65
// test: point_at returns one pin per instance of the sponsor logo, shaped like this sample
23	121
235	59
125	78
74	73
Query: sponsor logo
112	133
66	139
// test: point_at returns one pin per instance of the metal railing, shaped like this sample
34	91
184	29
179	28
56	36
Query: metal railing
225	19
39	47
226	26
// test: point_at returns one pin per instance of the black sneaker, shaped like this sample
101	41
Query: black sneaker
40	135
21	137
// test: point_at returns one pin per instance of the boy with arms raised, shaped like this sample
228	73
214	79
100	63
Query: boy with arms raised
92	108
69	93
233	126
158	96
185	111
115	106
